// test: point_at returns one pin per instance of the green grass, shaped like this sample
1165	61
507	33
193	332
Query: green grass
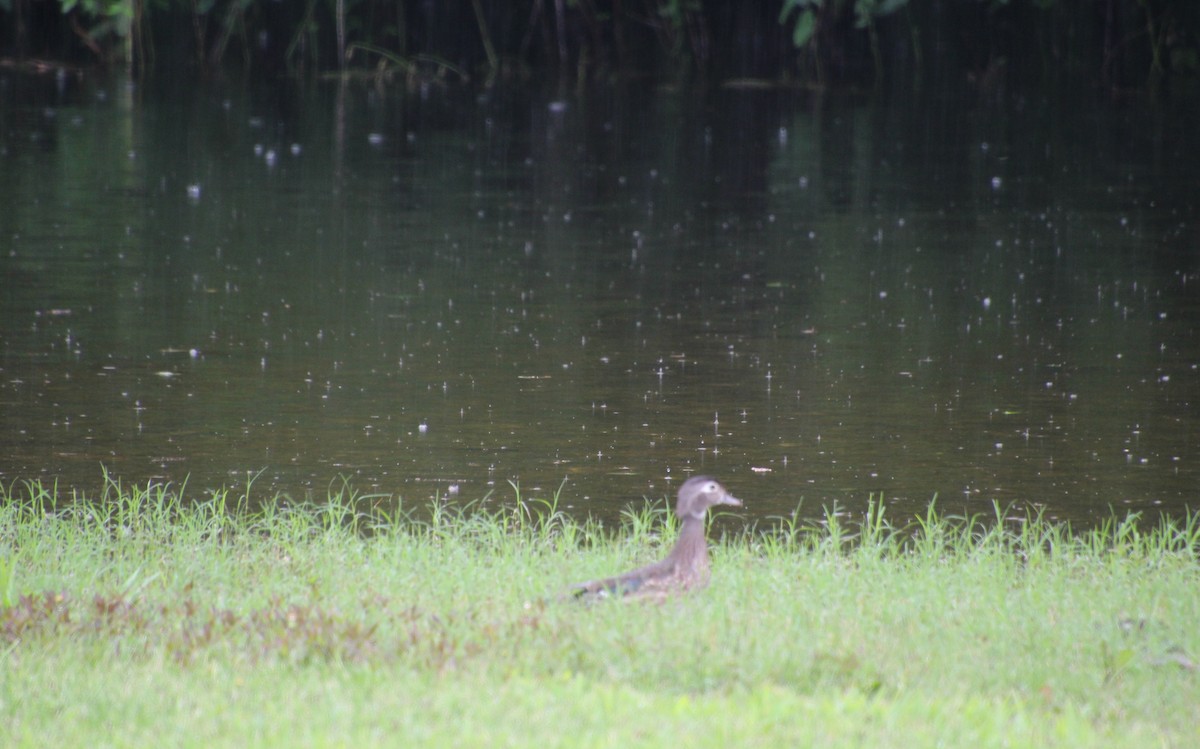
142	618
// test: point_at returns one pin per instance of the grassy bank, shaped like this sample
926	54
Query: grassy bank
140	619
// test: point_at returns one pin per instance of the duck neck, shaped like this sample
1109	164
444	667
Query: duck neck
691	550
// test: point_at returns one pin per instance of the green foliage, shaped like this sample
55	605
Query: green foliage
1131	40
809	14
111	17
8	579
805	24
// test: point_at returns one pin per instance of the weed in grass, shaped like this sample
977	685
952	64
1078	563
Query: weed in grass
34	615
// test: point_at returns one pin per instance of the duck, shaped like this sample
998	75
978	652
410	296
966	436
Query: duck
686	567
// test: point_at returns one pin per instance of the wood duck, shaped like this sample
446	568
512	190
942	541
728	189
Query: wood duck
686	567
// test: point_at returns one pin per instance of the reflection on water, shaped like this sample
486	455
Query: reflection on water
814	298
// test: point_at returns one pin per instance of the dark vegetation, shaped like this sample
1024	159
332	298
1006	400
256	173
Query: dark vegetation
1113	44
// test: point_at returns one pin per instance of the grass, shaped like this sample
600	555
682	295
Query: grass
140	617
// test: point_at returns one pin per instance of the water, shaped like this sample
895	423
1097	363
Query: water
818	299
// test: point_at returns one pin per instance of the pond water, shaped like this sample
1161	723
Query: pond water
819	299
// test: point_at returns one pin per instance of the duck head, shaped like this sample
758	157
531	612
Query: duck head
699	493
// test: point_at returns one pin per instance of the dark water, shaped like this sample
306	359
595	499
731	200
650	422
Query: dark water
817	298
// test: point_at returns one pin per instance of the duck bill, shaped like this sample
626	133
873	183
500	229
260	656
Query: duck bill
729	499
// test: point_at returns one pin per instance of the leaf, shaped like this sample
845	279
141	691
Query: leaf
786	10
802	5
806	24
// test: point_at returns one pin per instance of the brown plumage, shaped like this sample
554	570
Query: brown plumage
686	567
